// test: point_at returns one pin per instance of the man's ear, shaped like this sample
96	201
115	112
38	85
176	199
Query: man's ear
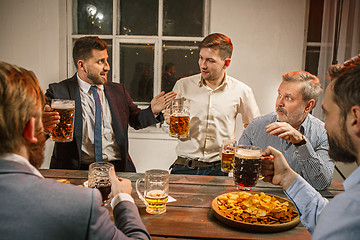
227	62
354	117
309	105
29	131
81	65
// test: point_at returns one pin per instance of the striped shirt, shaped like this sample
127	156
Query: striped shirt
310	160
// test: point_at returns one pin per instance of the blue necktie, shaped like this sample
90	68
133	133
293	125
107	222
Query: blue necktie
97	130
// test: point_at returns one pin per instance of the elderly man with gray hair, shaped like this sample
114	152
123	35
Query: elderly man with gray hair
294	131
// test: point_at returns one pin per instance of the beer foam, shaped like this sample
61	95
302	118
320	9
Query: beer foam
58	105
248	153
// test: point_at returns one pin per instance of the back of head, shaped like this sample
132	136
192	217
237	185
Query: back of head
83	47
311	88
21	98
218	41
346	80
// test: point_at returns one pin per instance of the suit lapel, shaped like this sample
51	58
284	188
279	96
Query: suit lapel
74	91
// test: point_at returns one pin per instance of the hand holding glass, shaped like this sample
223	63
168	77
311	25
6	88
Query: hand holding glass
179	118
227	155
64	130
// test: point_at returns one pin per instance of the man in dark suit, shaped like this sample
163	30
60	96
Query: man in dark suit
36	208
117	111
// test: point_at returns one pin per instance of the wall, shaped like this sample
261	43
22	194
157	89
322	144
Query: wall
268	36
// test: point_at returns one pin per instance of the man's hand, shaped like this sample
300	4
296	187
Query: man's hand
285	131
161	101
167	115
49	118
277	170
119	185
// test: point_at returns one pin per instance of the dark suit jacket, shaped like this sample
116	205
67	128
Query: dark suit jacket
37	208
123	111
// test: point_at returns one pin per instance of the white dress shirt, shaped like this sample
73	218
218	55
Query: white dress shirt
213	114
109	147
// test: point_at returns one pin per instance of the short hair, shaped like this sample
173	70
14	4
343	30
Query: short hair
83	47
311	88
218	41
169	65
346	84
21	98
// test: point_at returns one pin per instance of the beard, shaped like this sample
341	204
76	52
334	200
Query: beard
36	150
294	118
342	150
97	80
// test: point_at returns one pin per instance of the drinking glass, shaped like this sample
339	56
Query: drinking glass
64	130
156	190
99	178
227	155
179	118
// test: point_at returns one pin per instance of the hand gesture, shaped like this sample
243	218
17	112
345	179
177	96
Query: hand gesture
49	118
119	185
161	101
276	170
285	131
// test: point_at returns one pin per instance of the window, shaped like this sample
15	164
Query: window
152	43
314	35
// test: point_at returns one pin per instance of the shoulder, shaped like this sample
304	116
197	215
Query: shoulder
234	83
66	82
264	119
194	79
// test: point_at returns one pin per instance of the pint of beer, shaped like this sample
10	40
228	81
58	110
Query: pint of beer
98	177
227	155
247	166
179	118
156	190
63	132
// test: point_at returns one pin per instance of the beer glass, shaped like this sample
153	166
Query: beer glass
156	190
63	132
99	178
227	155
179	118
247	166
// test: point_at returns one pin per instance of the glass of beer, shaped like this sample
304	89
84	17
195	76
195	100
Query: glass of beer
227	155
63	132
156	190
99	178
247	166
179	118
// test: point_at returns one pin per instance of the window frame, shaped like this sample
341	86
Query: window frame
117	40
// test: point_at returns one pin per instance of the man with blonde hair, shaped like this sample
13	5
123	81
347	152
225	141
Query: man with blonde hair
36	208
294	131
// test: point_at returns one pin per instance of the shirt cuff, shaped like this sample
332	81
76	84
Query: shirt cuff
121	197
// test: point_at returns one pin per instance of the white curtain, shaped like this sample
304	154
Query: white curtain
349	40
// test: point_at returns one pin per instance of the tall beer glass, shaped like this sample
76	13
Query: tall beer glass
247	166
63	132
99	178
179	118
227	155
156	190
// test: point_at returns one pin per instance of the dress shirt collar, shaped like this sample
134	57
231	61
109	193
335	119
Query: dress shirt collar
85	86
352	180
19	159
203	83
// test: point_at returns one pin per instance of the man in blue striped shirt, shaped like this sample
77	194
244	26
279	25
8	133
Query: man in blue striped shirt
294	131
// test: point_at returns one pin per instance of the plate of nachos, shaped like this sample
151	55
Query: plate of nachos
252	211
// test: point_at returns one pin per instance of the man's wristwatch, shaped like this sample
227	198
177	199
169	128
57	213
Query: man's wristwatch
302	142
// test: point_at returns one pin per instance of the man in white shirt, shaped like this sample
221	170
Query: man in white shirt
36	208
215	100
339	218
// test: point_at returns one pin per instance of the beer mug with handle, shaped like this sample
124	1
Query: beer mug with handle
156	190
179	118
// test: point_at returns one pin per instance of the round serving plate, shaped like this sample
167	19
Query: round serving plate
255	227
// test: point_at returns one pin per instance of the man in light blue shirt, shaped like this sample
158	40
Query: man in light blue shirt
298	135
339	218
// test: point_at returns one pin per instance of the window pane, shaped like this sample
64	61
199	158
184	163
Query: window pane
180	59
137	70
138	17
312	60
315	20
183	18
93	16
109	51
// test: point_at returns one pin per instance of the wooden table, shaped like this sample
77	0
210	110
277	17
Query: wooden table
190	217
